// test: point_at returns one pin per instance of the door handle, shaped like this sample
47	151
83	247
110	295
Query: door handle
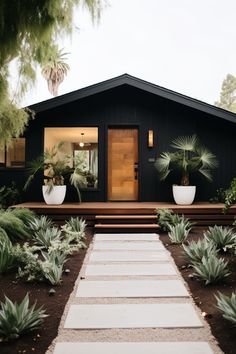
136	171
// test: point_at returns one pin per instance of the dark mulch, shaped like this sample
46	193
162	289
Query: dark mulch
204	297
39	341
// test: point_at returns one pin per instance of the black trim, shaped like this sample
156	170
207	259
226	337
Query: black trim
126	79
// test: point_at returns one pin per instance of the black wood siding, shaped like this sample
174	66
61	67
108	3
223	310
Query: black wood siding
129	106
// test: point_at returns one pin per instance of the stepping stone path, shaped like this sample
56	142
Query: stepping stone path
130	298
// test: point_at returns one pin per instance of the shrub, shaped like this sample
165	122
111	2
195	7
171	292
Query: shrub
24	214
17	319
227	305
52	267
7	257
196	250
9	195
75	228
3	235
45	238
178	233
14	227
167	218
223	237
40	223
211	269
27	259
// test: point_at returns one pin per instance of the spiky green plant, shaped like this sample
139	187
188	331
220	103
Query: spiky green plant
212	269
227	304
167	218
24	214
223	237
14	227
45	238
75	227
40	223
178	233
190	157
17	319
3	235
7	257
52	266
196	250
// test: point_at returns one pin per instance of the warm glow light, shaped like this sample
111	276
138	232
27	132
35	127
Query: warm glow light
150	138
81	144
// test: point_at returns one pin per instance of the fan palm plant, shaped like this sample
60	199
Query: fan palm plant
190	157
55	69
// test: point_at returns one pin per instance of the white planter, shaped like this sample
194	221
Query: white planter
184	195
56	195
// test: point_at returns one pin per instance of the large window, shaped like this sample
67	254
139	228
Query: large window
81	145
14	156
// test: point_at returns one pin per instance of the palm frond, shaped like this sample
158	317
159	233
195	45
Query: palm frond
187	143
207	158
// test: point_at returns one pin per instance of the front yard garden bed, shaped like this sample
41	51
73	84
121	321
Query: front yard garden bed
16	289
204	295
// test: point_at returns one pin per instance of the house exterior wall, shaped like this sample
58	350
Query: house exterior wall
126	106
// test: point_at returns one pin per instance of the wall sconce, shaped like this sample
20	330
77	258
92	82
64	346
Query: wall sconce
150	138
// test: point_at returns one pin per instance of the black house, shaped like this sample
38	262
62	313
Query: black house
115	129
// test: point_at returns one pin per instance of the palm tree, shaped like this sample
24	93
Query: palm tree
189	157
55	69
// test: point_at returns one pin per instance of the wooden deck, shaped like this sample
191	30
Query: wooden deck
202	213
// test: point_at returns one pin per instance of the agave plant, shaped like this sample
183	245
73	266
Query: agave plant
190	157
178	233
75	228
227	305
40	223
17	319
52	266
223	237
45	238
196	250
167	218
212	269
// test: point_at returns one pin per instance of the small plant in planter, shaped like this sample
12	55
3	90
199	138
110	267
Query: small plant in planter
55	165
190	157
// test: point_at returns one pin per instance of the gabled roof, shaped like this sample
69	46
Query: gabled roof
132	81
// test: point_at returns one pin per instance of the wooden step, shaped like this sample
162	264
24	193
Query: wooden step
120	217
126	226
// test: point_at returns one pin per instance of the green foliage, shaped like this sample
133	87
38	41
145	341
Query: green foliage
212	269
3	235
24	214
46	238
9	195
196	250
228	94
29	31
219	197
75	229
28	262
17	319
52	267
178	233
227	305
41	223
190	157
230	197
55	70
14	227
224	238
7	257
167	218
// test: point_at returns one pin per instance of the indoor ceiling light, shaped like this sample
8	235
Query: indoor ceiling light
81	143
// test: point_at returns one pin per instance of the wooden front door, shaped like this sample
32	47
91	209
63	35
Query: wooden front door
123	164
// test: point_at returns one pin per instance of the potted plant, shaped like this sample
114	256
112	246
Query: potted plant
190	157
55	165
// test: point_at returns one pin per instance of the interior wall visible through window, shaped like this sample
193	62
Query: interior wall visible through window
80	148
14	156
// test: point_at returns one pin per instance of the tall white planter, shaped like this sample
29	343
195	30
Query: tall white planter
184	195
56	195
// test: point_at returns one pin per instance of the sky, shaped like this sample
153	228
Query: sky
186	46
